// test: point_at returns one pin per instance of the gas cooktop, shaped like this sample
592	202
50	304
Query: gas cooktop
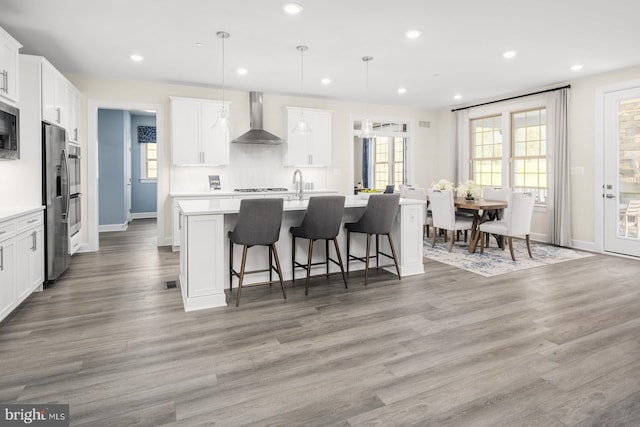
259	190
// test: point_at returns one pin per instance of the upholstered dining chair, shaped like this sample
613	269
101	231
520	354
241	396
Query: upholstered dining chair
420	194
496	193
444	216
258	224
321	222
377	219
516	222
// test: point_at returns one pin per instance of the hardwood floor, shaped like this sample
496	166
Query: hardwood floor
552	346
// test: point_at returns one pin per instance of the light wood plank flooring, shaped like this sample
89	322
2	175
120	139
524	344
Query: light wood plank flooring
552	346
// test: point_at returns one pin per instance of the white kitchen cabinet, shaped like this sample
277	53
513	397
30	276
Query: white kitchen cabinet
21	257
311	149
9	58
73	109
54	95
30	265
194	140
7	276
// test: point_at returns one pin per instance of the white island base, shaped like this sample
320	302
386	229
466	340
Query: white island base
204	257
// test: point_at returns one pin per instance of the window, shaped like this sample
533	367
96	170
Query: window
509	149
149	161
486	151
529	153
388	162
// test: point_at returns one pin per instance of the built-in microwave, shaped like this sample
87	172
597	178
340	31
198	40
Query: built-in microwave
9	132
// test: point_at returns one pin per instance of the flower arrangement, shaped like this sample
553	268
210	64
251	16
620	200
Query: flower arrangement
469	189
443	184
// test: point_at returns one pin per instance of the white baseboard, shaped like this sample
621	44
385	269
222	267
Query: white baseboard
585	246
144	215
166	241
112	227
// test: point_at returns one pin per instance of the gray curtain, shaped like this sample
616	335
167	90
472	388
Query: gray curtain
561	219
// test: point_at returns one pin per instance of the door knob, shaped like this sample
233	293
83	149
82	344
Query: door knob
610	196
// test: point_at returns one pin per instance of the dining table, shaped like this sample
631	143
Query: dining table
480	208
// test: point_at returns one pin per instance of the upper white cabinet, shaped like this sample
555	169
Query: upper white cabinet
194	140
9	54
311	149
73	118
60	101
54	95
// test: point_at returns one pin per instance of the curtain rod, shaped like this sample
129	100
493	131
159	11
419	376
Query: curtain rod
513	97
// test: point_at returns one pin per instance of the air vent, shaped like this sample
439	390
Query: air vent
424	124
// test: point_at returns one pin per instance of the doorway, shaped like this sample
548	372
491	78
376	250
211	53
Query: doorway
621	171
93	169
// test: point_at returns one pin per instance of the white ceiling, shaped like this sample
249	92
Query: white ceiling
459	52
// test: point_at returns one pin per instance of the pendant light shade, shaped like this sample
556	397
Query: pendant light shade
367	125
222	121
302	126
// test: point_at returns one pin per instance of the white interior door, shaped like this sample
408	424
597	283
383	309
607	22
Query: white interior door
622	172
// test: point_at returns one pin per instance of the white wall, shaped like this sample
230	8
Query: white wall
256	166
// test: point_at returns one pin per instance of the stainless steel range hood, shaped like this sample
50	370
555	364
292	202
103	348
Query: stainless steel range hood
256	135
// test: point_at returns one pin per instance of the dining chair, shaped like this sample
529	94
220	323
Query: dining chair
416	193
378	219
321	222
258	224
444	216
517	222
632	212
496	193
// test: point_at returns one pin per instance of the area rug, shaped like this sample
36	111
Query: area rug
495	261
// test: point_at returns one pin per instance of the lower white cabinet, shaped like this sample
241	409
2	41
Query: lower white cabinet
21	258
7	276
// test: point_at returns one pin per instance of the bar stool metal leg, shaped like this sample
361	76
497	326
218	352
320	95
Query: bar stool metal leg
393	252
310	255
244	260
344	278
279	270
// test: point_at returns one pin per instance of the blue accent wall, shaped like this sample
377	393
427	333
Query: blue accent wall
111	167
143	194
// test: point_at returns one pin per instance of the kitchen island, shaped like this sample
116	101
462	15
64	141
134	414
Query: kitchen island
204	256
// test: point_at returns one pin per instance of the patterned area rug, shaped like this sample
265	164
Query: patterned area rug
495	261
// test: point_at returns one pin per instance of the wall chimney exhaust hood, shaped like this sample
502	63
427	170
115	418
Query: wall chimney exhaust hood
256	135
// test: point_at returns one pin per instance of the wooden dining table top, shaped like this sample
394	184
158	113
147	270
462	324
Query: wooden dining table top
479	204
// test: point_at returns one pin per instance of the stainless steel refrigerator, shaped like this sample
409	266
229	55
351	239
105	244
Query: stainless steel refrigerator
55	196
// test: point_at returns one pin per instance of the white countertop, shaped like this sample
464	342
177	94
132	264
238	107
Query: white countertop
227	193
16	211
228	206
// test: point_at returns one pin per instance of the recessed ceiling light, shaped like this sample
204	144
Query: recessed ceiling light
510	54
577	67
137	58
292	8
413	34
242	71
402	90
457	97
326	81
199	44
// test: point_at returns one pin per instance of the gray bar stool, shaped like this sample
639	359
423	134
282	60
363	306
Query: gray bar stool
258	224
321	222
377	219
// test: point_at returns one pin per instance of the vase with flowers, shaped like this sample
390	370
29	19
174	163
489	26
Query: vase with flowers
443	184
469	189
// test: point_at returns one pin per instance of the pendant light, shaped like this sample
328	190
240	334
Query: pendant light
367	125
302	126
222	122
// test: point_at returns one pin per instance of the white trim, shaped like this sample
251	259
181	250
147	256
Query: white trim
105	228
585	246
92	164
410	135
144	215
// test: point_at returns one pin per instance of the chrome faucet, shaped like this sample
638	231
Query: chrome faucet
299	184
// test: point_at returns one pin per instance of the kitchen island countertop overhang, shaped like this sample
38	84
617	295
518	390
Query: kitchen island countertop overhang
204	255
